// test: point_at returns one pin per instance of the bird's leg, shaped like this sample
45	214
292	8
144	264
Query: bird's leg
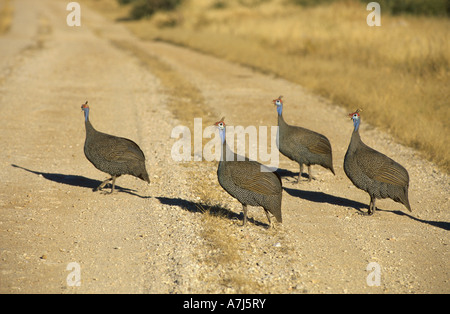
270	220
102	185
374	208
113	184
300	173
244	209
372	205
310	177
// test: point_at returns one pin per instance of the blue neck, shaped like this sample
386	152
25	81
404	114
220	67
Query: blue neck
279	110
86	114
356	124
222	135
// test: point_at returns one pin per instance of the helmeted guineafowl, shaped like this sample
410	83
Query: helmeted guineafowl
374	172
113	155
302	145
248	181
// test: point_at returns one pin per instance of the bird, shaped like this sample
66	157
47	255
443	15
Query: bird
111	154
302	145
374	172
248	181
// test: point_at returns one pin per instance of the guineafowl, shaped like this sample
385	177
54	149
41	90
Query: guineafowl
113	155
374	172
302	145
248	181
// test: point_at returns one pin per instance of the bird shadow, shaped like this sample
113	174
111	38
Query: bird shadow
202	208
288	173
438	224
76	180
320	197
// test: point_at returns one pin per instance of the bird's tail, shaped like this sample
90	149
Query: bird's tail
405	200
332	169
279	218
407	205
144	176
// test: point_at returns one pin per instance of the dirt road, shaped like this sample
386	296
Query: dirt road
157	238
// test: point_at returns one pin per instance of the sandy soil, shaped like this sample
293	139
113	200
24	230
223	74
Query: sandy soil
150	238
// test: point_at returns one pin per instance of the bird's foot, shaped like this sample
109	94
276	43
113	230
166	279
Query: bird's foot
98	188
108	192
102	185
310	178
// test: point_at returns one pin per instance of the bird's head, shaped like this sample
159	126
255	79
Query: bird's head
355	117
221	126
279	103
85	108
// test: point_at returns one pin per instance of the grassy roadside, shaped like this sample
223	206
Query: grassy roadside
295	59
398	73
223	246
6	16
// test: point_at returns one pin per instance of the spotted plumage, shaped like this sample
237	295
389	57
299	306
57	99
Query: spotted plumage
113	155
374	172
249	181
302	145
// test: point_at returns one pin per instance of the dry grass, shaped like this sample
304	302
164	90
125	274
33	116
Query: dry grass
223	246
226	250
185	100
6	16
398	73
